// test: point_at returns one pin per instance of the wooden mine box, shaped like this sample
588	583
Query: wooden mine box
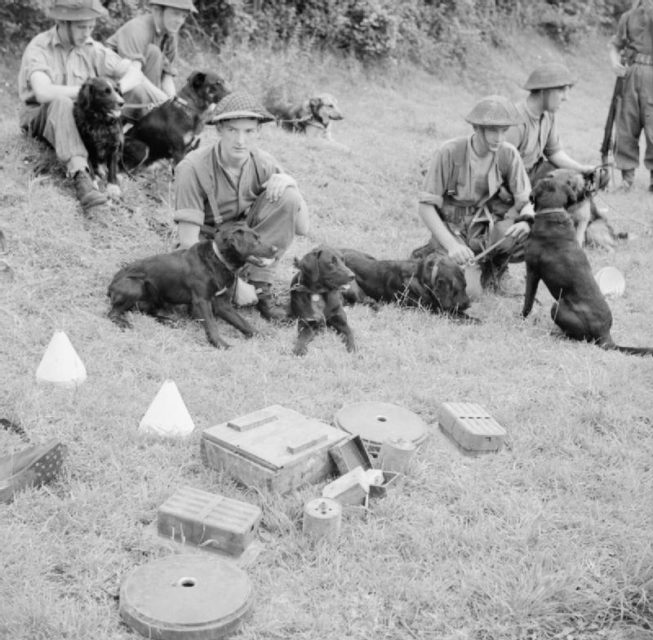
273	448
471	427
209	520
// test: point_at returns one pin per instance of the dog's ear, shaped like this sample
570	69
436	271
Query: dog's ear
197	79
85	94
309	265
314	105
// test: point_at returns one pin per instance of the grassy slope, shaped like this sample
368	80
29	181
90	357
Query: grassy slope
550	538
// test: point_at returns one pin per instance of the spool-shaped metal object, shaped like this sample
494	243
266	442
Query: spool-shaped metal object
395	454
322	518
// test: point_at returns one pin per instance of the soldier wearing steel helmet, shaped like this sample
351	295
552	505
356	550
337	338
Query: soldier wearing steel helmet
536	136
476	194
53	67
631	56
151	41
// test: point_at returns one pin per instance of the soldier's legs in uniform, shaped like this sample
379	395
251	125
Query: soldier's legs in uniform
628	126
55	123
276	223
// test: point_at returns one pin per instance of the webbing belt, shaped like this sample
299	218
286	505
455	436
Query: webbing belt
642	58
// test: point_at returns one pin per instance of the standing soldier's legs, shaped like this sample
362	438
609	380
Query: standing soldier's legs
628	127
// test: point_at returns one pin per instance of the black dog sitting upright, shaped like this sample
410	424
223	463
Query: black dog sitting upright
170	129
315	298
553	255
201	277
97	111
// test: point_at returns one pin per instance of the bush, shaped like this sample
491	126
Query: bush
428	32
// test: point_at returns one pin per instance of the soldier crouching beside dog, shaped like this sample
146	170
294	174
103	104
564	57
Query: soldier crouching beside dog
476	194
233	180
54	66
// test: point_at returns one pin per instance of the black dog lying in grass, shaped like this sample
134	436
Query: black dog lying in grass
554	256
201	277
315	298
436	284
170	129
97	112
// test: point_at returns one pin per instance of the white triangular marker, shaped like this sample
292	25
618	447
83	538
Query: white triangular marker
60	363
167	414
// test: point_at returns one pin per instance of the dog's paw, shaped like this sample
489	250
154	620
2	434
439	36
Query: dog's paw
113	191
300	350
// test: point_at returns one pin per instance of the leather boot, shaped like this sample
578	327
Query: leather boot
265	304
87	194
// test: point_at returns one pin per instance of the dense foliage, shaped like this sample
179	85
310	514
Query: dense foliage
425	31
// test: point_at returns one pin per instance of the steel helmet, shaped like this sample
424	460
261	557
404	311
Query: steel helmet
240	104
549	76
186	5
493	111
77	10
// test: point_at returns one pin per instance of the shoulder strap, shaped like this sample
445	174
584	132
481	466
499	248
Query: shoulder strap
458	157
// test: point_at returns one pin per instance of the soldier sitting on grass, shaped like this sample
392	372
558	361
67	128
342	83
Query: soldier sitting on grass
53	67
151	41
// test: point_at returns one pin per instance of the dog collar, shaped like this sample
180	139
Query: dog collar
222	259
541	212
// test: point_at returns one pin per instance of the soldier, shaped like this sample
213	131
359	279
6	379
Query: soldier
53	67
475	194
234	180
631	56
151	41
536	136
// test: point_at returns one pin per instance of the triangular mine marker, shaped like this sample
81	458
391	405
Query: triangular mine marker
167	414
60	363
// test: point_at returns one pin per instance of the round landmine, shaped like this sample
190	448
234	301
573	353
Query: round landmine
611	281
185	596
379	422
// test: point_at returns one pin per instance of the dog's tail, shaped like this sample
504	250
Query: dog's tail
633	351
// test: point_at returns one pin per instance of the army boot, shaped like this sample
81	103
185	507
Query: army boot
86	192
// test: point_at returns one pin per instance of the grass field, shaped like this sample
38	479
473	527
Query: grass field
551	538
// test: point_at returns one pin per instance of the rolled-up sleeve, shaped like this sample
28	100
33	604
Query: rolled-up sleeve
130	41
109	63
435	181
620	39
189	195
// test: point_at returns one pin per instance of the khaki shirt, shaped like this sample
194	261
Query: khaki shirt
133	38
536	137
635	29
69	67
204	188
450	178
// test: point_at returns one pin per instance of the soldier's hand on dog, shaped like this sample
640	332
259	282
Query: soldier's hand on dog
519	231
277	184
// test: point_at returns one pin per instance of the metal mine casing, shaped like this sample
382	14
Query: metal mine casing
209	520
274	448
473	428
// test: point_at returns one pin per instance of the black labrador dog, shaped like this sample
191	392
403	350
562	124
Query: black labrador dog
97	112
433	283
170	129
200	277
554	256
315	298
